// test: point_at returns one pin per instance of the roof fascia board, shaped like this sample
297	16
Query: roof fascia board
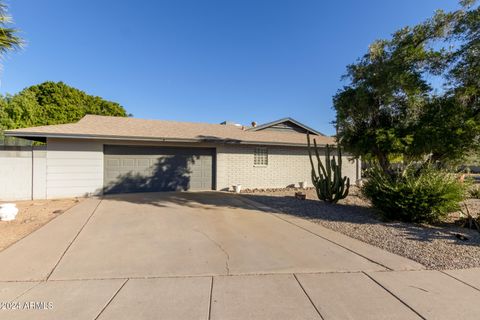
269	124
129	138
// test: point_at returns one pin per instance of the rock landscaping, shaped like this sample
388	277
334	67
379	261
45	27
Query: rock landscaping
440	246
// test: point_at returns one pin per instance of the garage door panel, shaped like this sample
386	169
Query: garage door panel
112	163
152	169
111	175
145	163
128	163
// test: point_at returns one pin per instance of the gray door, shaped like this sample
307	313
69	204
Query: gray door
153	169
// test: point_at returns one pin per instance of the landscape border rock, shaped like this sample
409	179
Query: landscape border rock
435	246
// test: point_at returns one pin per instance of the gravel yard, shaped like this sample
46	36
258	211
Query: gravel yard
31	216
435	246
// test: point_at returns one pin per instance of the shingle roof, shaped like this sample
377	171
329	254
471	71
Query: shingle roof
269	124
103	127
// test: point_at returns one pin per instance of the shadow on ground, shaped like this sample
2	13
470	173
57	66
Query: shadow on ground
205	200
354	215
330	214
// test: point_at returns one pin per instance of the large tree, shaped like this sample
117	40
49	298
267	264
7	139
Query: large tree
388	108
52	103
386	90
449	127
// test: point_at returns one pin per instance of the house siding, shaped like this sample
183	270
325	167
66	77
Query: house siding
74	168
39	176
286	166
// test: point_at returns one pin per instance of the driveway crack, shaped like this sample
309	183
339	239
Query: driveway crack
419	288
218	245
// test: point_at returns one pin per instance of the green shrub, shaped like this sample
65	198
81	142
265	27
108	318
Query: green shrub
414	195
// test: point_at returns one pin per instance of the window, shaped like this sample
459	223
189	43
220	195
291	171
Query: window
260	157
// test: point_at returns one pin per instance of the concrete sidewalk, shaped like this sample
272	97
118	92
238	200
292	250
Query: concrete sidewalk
215	256
374	295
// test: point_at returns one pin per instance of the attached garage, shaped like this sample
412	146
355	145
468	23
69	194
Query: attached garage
100	155
153	169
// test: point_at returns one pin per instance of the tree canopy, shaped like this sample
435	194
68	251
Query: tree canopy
389	108
49	102
52	103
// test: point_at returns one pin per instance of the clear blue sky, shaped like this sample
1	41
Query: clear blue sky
205	61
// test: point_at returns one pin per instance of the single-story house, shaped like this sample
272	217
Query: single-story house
100	154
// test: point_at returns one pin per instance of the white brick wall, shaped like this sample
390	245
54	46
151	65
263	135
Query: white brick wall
286	166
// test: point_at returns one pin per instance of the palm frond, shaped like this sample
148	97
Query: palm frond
9	40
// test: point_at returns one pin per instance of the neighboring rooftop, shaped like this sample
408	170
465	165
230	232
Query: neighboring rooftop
282	132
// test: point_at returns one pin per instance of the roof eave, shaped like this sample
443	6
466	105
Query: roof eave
269	124
37	135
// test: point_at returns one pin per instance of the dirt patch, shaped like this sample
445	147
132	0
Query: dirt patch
31	216
435	246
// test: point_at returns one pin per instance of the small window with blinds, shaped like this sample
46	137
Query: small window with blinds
260	157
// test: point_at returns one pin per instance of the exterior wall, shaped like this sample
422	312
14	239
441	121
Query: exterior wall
286	166
74	168
18	180
39	188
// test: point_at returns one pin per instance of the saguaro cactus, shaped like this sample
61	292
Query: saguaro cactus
327	179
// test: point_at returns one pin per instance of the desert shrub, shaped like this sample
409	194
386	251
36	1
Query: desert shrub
474	192
425	194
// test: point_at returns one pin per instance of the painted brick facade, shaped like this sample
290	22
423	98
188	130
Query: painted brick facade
286	166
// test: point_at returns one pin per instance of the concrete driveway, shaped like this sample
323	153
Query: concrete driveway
214	256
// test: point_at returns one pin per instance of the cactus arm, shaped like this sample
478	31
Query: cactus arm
321	168
339	152
310	156
327	159
327	180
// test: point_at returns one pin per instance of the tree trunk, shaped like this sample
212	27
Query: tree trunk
383	161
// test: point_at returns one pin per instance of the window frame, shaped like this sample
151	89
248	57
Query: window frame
260	157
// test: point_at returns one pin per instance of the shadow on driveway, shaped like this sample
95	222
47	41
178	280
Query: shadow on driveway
361	215
310	209
205	200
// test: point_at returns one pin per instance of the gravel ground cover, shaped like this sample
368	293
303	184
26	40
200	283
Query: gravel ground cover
435	246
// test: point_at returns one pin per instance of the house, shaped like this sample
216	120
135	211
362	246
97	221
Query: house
100	155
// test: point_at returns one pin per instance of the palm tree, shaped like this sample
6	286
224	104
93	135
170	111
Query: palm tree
9	41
